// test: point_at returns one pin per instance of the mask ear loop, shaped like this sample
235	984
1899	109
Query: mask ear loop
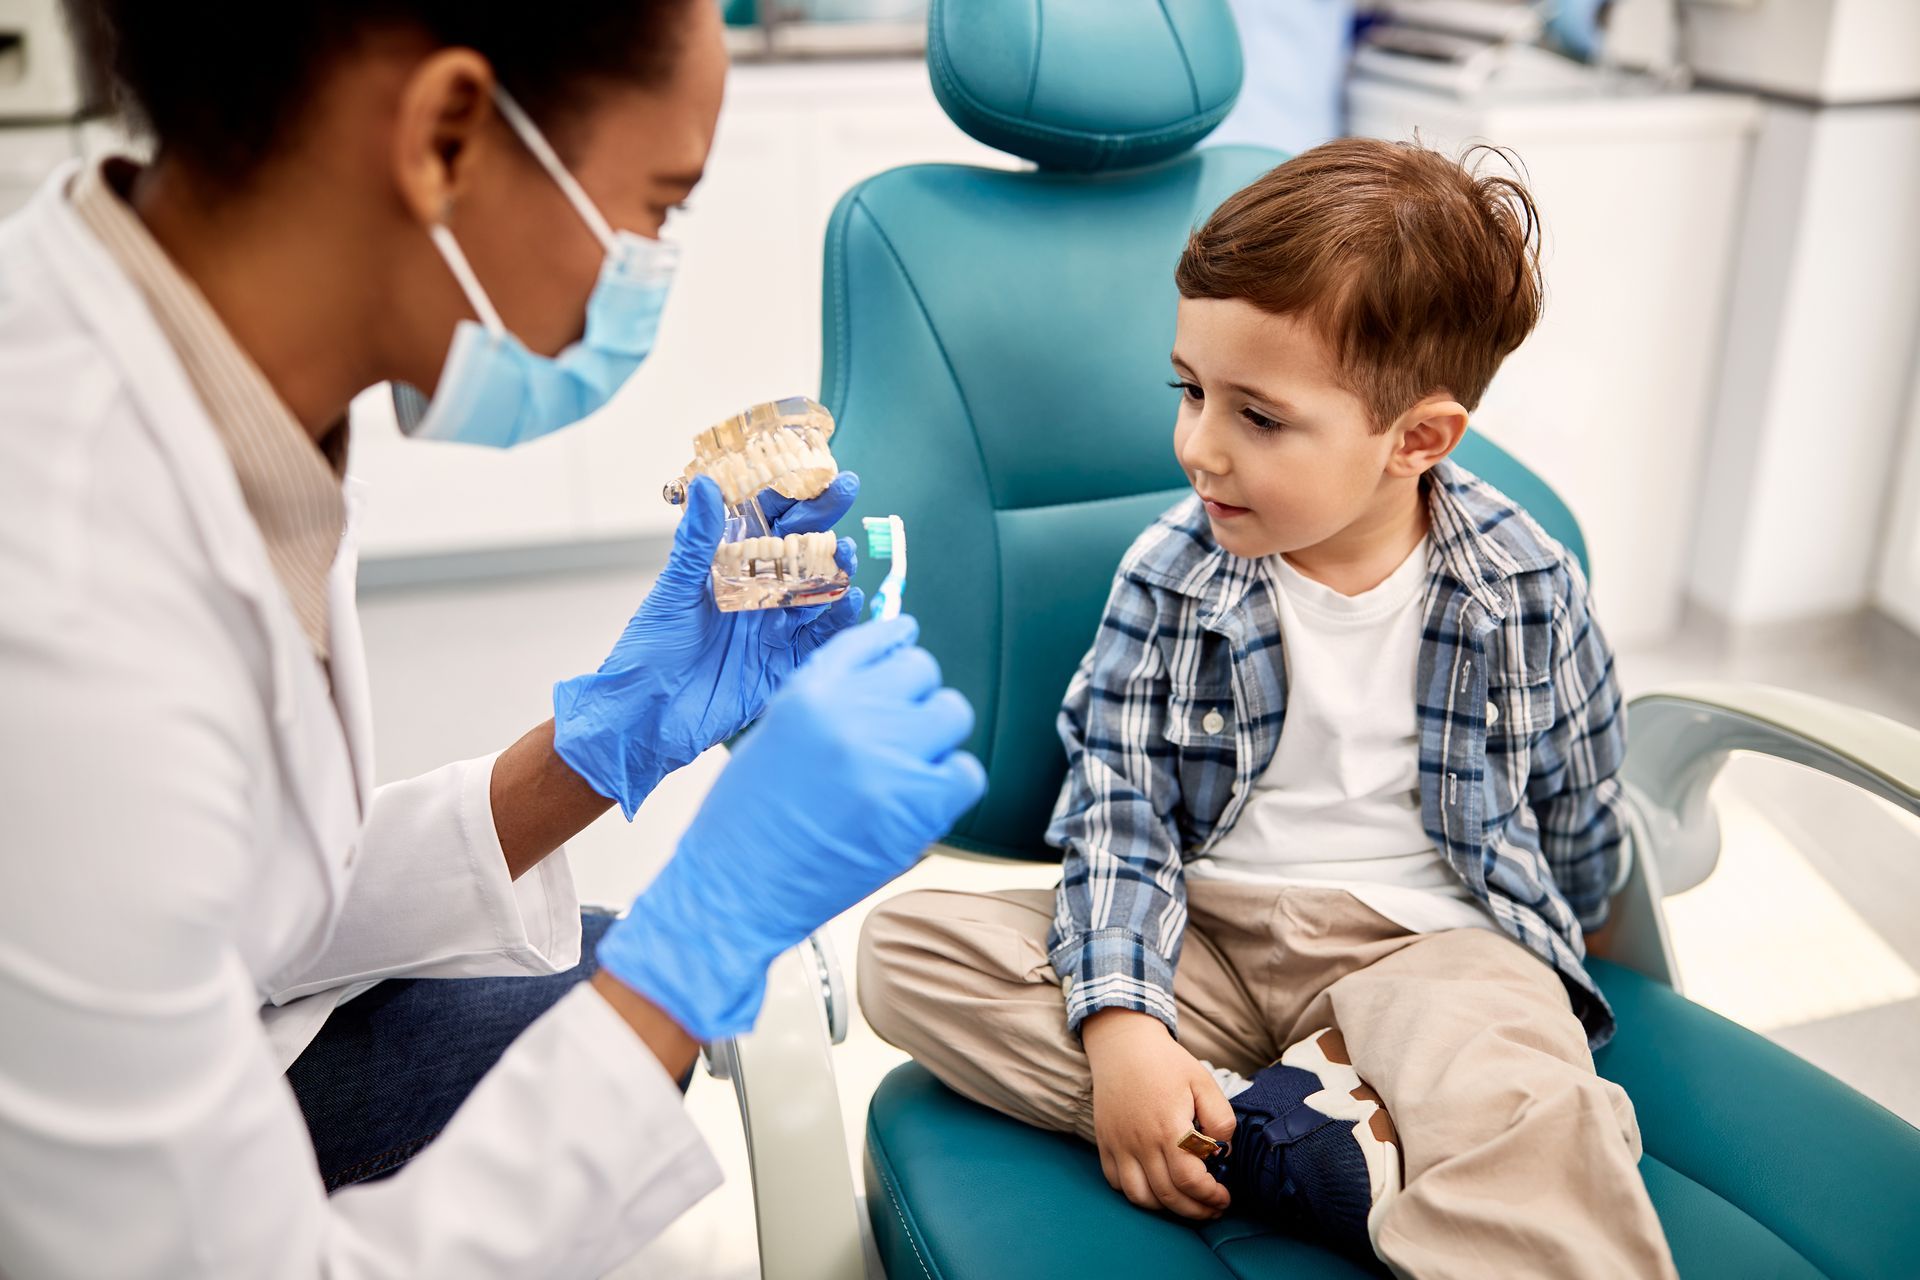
463	273
536	142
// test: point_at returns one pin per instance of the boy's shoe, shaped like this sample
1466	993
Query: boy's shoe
1312	1145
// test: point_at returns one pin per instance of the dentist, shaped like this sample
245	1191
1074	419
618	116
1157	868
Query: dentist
226	1043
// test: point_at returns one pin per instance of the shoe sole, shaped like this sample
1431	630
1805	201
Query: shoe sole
1344	1096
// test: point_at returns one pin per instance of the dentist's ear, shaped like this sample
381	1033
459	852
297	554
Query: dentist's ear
1426	434
440	131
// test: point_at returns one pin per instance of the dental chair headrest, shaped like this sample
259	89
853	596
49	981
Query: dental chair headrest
1085	85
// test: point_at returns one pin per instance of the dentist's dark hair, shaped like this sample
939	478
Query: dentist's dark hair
220	84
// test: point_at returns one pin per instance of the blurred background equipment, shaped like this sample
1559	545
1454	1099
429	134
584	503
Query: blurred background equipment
1296	53
42	99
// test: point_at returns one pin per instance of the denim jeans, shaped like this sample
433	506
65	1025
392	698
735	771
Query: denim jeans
391	1066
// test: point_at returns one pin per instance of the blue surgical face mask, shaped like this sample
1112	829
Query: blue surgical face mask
492	389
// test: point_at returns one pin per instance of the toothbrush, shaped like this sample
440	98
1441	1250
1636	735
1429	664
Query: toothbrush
887	540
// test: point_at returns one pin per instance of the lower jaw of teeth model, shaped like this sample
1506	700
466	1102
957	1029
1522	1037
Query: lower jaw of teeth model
780	445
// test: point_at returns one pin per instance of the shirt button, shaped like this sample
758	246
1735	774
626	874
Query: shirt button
1213	721
1493	715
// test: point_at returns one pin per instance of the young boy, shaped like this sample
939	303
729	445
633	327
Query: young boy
1340	783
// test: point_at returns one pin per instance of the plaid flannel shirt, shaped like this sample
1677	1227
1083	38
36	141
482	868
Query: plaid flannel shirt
1521	736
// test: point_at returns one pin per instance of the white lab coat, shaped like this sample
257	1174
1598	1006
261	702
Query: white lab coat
195	866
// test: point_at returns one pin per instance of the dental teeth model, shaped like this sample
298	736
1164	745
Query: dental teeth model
780	445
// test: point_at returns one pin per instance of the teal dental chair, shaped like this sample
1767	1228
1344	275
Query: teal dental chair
995	352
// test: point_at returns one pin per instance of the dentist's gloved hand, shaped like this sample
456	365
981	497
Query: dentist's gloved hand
685	675
851	775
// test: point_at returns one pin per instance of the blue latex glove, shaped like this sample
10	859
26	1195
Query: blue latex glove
684	675
851	775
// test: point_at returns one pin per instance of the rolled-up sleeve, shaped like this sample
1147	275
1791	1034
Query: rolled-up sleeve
1121	907
1574	784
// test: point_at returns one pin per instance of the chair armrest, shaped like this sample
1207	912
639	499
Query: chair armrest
1680	739
808	1217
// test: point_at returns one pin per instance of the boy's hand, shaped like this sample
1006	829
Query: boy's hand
1147	1092
1600	941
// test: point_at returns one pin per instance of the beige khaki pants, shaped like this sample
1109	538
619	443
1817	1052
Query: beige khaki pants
1519	1160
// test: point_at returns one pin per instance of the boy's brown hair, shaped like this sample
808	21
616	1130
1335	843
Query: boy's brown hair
1420	274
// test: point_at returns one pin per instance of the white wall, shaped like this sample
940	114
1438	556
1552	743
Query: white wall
1814	386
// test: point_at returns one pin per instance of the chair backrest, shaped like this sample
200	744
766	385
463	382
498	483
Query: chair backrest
996	348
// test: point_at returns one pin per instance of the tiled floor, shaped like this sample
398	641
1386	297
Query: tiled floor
1809	931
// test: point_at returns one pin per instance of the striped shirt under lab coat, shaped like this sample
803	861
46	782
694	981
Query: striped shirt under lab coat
1521	735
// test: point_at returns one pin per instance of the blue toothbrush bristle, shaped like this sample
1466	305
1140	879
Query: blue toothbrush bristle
879	537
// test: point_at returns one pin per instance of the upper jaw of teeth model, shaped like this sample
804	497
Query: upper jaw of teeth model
780	445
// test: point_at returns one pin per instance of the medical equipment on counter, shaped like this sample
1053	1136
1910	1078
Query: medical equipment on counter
43	98
39	74
887	540
1465	47
779	445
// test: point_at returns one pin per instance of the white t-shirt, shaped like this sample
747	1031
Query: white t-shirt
1339	806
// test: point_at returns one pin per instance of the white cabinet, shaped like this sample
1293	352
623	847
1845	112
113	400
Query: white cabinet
1817	376
742	325
1838	51
1818	365
1898	588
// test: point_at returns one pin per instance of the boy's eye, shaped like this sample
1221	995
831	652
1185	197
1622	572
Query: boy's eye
1260	421
1189	390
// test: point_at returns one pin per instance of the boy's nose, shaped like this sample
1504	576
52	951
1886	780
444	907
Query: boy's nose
1202	449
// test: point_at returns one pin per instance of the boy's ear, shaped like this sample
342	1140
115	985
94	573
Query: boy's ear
1425	434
